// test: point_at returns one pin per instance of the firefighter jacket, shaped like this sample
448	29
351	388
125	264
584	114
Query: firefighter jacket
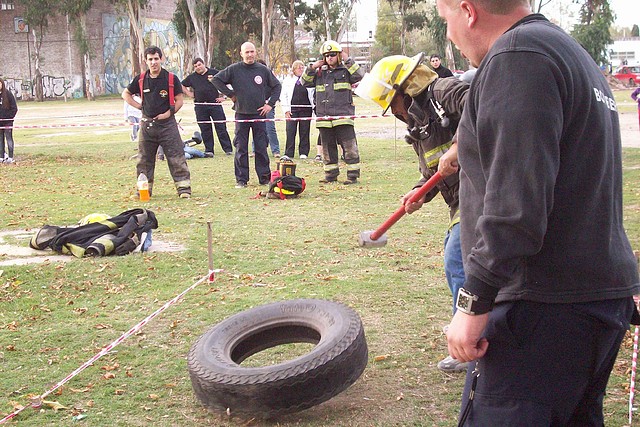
119	235
434	115
333	91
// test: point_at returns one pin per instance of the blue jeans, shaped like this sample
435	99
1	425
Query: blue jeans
453	262
135	127
190	153
272	134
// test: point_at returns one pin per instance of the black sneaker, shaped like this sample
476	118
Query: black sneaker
208	154
229	153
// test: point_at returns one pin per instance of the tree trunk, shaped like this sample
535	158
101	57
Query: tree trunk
403	31
344	26
292	31
325	10
266	7
87	75
135	21
197	26
38	87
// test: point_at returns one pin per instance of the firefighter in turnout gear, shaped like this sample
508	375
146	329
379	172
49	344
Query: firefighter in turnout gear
431	107
332	77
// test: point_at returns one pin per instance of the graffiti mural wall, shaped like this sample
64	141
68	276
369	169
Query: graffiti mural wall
117	49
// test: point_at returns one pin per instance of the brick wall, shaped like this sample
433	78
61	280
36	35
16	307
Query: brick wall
61	64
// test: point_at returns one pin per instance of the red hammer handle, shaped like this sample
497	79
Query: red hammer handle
399	213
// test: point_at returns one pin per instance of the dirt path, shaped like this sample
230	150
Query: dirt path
629	130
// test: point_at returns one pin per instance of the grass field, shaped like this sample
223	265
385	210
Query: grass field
56	315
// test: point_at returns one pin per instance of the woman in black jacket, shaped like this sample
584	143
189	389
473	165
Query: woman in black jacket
8	110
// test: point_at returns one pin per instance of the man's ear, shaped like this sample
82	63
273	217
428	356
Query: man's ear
470	12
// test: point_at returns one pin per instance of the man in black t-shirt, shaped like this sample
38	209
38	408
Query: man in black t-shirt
199	85
158	127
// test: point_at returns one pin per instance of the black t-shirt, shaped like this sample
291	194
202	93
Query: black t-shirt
155	99
201	85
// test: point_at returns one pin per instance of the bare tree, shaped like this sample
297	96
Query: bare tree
345	20
266	7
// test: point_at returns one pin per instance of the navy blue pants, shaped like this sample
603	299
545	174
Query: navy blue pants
547	364
204	115
241	142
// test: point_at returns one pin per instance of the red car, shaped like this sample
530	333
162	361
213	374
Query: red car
629	74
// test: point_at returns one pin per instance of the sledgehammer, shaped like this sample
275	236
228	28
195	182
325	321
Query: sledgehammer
377	238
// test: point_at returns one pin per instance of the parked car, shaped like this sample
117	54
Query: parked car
629	74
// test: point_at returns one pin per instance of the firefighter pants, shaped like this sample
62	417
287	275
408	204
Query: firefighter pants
165	134
344	135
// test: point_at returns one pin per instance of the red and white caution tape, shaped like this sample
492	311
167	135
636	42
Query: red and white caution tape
37	401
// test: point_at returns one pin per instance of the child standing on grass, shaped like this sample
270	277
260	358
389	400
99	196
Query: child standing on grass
133	116
8	110
635	95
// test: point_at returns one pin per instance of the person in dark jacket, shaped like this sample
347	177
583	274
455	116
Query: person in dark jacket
250	82
436	64
431	107
8	111
332	77
549	271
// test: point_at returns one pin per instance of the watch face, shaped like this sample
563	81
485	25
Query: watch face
464	302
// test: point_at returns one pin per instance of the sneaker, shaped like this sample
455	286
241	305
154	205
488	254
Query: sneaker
302	156
350	181
241	184
327	180
229	153
9	160
184	195
318	158
208	154
276	155
449	364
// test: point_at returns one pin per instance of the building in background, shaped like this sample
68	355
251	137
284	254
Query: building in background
61	64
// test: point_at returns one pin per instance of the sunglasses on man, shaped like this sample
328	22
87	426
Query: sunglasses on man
332	54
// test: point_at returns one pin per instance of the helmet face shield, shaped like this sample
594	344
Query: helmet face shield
380	85
376	90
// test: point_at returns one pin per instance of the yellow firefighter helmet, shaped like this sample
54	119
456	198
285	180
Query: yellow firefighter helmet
391	73
330	46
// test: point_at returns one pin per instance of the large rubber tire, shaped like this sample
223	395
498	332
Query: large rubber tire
336	361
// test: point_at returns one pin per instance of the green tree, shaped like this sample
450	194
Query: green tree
411	17
37	14
222	26
77	10
437	28
635	31
133	9
592	32
324	19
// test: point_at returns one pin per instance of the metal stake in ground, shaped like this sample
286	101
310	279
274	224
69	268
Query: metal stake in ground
210	251
377	238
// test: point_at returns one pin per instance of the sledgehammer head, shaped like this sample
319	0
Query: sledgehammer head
365	240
